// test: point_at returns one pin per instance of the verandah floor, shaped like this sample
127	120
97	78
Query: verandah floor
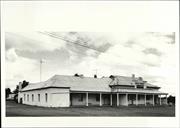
14	109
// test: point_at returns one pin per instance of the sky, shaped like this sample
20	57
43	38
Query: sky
150	55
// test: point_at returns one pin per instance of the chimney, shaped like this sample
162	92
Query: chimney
145	86
140	78
133	75
20	86
95	76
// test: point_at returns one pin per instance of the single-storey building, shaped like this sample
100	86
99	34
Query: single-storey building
11	96
66	91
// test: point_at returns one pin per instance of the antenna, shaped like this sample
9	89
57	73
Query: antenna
41	61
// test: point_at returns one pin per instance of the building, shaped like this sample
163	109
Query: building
11	96
66	91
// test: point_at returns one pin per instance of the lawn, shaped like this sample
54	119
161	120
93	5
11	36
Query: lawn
14	109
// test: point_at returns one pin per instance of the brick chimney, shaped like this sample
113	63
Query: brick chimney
20	86
144	82
140	78
133	77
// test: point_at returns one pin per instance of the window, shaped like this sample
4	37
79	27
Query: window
140	86
28	97
39	97
80	97
97	97
32	97
46	97
24	97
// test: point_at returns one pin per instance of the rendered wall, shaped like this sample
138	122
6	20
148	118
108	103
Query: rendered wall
56	97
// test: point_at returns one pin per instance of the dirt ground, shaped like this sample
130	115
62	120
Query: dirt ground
14	109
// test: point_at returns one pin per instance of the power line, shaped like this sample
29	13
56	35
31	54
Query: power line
70	41
73	42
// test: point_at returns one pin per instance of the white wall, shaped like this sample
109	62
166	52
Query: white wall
57	97
11	96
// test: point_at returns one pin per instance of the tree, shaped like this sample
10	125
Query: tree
8	91
112	77
24	84
76	74
16	90
171	99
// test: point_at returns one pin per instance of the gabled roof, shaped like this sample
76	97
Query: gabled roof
81	83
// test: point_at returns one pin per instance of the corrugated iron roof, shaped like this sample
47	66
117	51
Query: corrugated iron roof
124	80
80	83
75	83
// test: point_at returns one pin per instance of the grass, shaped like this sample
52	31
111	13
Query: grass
14	109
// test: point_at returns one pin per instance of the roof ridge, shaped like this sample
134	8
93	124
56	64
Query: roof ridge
78	76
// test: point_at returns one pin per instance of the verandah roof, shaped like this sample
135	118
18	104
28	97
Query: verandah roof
142	91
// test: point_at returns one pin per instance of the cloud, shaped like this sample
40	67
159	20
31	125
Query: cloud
152	51
143	54
19	70
32	41
11	55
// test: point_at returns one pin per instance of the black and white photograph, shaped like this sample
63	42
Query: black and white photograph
90	74
89	62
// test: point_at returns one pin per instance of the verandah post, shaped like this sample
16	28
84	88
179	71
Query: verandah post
127	99
111	99
153	99
117	99
100	100
145	99
160	99
86	98
136	99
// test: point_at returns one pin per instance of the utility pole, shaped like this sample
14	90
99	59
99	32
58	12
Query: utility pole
41	61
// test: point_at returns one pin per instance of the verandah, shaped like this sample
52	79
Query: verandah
114	99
